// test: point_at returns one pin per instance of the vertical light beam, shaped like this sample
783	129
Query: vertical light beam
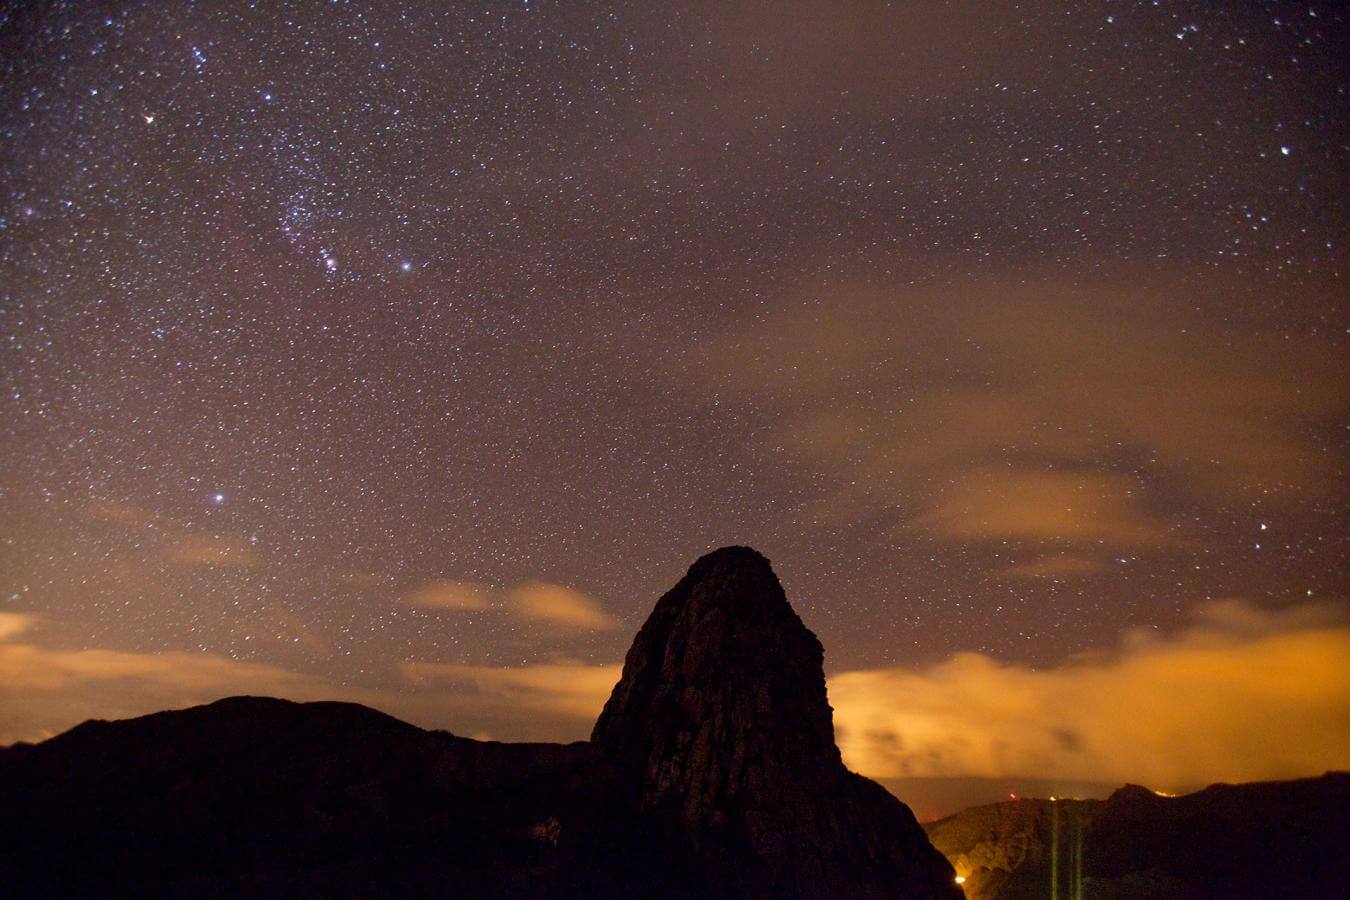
1054	850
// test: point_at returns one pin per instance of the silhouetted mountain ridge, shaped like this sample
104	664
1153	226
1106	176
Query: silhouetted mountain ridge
713	772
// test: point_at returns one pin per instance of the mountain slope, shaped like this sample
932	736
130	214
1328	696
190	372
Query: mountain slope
1267	839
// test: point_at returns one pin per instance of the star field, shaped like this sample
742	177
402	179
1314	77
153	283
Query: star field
1003	330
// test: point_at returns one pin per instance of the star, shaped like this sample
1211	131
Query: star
626	313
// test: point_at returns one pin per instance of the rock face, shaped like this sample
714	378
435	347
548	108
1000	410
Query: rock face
1267	839
713	773
722	718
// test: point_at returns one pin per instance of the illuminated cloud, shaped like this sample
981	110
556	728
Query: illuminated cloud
27	667
1244	694
1057	566
14	624
534	601
1056	506
566	689
177	542
124	513
44	691
209	550
448	594
553	603
362	579
1050	413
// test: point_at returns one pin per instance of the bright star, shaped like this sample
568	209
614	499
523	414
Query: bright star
405	266
1284	151
149	120
217	498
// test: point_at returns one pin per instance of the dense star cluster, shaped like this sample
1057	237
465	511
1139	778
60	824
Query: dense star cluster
380	346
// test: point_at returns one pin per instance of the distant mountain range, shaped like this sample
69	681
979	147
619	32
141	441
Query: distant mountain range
711	772
1268	839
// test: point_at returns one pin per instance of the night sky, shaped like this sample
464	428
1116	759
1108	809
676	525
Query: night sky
409	352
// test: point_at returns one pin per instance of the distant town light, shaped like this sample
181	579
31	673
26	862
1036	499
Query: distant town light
960	879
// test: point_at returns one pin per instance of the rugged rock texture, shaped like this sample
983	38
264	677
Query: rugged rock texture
713	773
1269	839
721	714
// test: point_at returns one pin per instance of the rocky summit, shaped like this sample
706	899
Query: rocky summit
712	772
722	716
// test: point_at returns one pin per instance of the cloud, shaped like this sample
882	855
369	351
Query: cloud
14	624
553	603
124	513
1057	566
362	579
533	601
44	690
176	541
1056	413
210	550
1044	505
24	666
448	594
1244	694
568	689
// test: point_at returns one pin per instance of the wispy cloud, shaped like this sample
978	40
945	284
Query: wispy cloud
210	550
445	593
555	604
175	541
13	624
1061	417
1056	566
45	690
1067	507
534	601
569	689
